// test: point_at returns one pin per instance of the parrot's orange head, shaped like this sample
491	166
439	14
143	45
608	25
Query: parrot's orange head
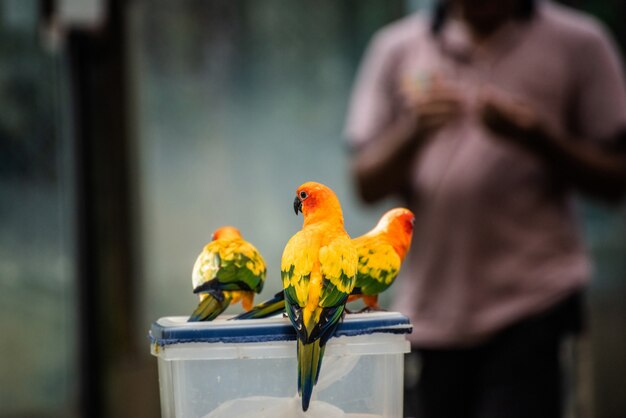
226	232
401	219
317	203
398	223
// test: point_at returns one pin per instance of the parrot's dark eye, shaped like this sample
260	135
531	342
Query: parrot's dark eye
303	195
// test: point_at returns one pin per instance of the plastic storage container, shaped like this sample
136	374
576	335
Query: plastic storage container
248	368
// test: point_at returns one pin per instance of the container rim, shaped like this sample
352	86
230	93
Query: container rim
176	330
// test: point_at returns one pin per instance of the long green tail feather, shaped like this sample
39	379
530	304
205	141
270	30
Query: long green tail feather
265	309
210	308
309	364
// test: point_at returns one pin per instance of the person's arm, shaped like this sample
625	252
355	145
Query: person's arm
382	166
594	170
597	113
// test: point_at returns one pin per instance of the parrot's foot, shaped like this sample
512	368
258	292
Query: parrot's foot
348	311
285	315
369	309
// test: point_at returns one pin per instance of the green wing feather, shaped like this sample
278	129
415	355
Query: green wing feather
337	262
233	264
210	308
296	267
378	265
271	307
338	266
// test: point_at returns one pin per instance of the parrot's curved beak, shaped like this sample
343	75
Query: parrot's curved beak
297	205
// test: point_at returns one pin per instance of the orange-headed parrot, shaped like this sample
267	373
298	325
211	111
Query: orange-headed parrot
228	270
380	251
318	270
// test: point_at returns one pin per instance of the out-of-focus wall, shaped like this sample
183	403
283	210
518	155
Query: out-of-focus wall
37	277
239	102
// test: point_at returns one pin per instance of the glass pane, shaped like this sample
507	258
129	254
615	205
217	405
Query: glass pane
239	103
37	300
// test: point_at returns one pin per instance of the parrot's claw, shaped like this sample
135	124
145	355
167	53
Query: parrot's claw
369	309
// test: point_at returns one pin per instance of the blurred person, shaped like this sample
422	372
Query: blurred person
485	116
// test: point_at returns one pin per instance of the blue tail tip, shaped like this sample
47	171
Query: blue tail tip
307	392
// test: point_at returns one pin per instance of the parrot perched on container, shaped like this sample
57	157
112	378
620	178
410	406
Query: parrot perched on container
318	269
228	270
380	252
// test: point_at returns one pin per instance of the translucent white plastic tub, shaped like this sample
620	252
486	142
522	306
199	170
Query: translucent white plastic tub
248	368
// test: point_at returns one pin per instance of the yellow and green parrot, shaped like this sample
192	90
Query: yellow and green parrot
228	270
318	269
381	252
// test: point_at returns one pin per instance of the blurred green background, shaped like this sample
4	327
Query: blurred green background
129	131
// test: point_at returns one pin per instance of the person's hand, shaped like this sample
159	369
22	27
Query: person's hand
434	107
512	121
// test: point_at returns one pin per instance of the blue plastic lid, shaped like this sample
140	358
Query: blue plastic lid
176	330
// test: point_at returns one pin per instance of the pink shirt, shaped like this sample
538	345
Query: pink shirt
495	236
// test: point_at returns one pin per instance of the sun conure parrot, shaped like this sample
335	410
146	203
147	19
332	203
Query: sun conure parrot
318	270
380	251
228	270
